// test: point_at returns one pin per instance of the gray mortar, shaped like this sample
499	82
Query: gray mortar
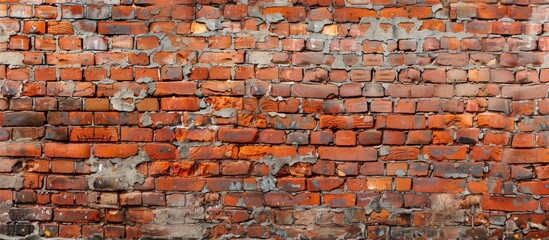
33	236
184	147
151	84
81	32
182	215
4	37
440	11
268	182
11	182
187	67
384	151
124	93
176	231
274	18
255	11
225	113
203	105
545	61
317	26
145	79
117	174
12	58
249	84
260	36
106	81
161	216
262	59
151	88
276	163
166	44
278	3
338	62
4	209
211	24
510	226
4	34
146	119
2	82
236	186
72	86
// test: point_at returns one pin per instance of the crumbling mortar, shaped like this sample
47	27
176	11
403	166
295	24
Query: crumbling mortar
116	173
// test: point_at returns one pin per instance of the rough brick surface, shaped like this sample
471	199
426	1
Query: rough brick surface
303	119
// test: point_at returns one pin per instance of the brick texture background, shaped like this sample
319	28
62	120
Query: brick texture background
402	119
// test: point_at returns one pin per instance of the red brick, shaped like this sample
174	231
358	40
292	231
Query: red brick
20	11
20	149
60	27
237	135
76	215
72	11
161	151
291	184
340	200
71	150
523	156
401	153
324	184
136	134
19	43
345	138
353	14
393	137
37	27
506	28
179	184
495	121
455	60
180	104
272	136
66	183
346	122
445	152
405	122
114	150
96	134
490	11
31	214
208	152
438	185
487	153
369	138
291	14
245	199
224	58
509	204
314	91
282	199
348	154
122	28
235	12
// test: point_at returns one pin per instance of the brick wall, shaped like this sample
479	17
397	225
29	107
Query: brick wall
274	119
